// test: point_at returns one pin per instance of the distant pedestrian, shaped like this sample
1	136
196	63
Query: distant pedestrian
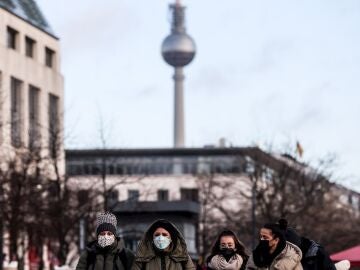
107	251
227	253
314	256
273	252
162	248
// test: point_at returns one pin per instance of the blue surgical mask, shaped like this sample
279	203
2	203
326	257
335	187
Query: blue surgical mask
161	242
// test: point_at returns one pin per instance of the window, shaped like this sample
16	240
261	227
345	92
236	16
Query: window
12	37
133	195
49	57
34	131
163	195
54	128
16	112
29	47
189	194
112	198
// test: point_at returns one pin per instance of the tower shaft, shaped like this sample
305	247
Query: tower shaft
178	50
179	118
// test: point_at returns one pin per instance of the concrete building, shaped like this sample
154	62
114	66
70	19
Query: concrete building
31	94
31	84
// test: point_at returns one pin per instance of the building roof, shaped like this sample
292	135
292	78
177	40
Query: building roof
29	11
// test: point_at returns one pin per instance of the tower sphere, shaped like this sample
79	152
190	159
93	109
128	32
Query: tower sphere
178	49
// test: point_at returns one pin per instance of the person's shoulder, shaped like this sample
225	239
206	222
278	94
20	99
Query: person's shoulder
292	251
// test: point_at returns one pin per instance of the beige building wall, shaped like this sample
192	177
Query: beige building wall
30	71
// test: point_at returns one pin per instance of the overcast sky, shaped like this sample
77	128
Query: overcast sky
266	72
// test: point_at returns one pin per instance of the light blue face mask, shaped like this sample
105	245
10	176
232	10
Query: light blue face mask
162	242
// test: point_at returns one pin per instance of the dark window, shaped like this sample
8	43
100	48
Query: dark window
113	197
16	112
12	36
95	169
119	169
54	127
34	128
133	195
163	195
71	169
189	194
29	47
86	169
111	169
49	57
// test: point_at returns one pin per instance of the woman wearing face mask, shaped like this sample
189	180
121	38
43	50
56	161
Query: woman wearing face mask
273	251
162	248
107	251
227	253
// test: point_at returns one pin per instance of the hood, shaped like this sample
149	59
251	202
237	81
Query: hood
309	247
146	251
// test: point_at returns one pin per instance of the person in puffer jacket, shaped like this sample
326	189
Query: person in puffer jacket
273	252
162	248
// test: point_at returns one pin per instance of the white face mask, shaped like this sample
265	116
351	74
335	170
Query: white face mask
106	240
162	242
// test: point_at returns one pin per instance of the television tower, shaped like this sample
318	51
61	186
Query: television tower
178	50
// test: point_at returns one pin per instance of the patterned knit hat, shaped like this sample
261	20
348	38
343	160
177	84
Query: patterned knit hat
106	222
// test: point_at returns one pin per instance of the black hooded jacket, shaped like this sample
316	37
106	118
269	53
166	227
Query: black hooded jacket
314	256
114	257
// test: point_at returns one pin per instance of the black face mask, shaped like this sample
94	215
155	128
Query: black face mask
227	253
261	254
264	247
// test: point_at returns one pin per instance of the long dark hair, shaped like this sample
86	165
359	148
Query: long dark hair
240	248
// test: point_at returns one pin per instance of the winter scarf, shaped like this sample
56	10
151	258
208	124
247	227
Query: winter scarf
218	262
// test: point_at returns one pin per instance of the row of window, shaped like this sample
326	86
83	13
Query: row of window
186	194
150	169
17	115
13	42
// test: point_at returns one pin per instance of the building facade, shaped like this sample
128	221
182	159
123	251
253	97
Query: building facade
31	113
31	84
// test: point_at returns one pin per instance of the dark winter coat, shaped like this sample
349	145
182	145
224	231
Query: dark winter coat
314	256
148	258
114	257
